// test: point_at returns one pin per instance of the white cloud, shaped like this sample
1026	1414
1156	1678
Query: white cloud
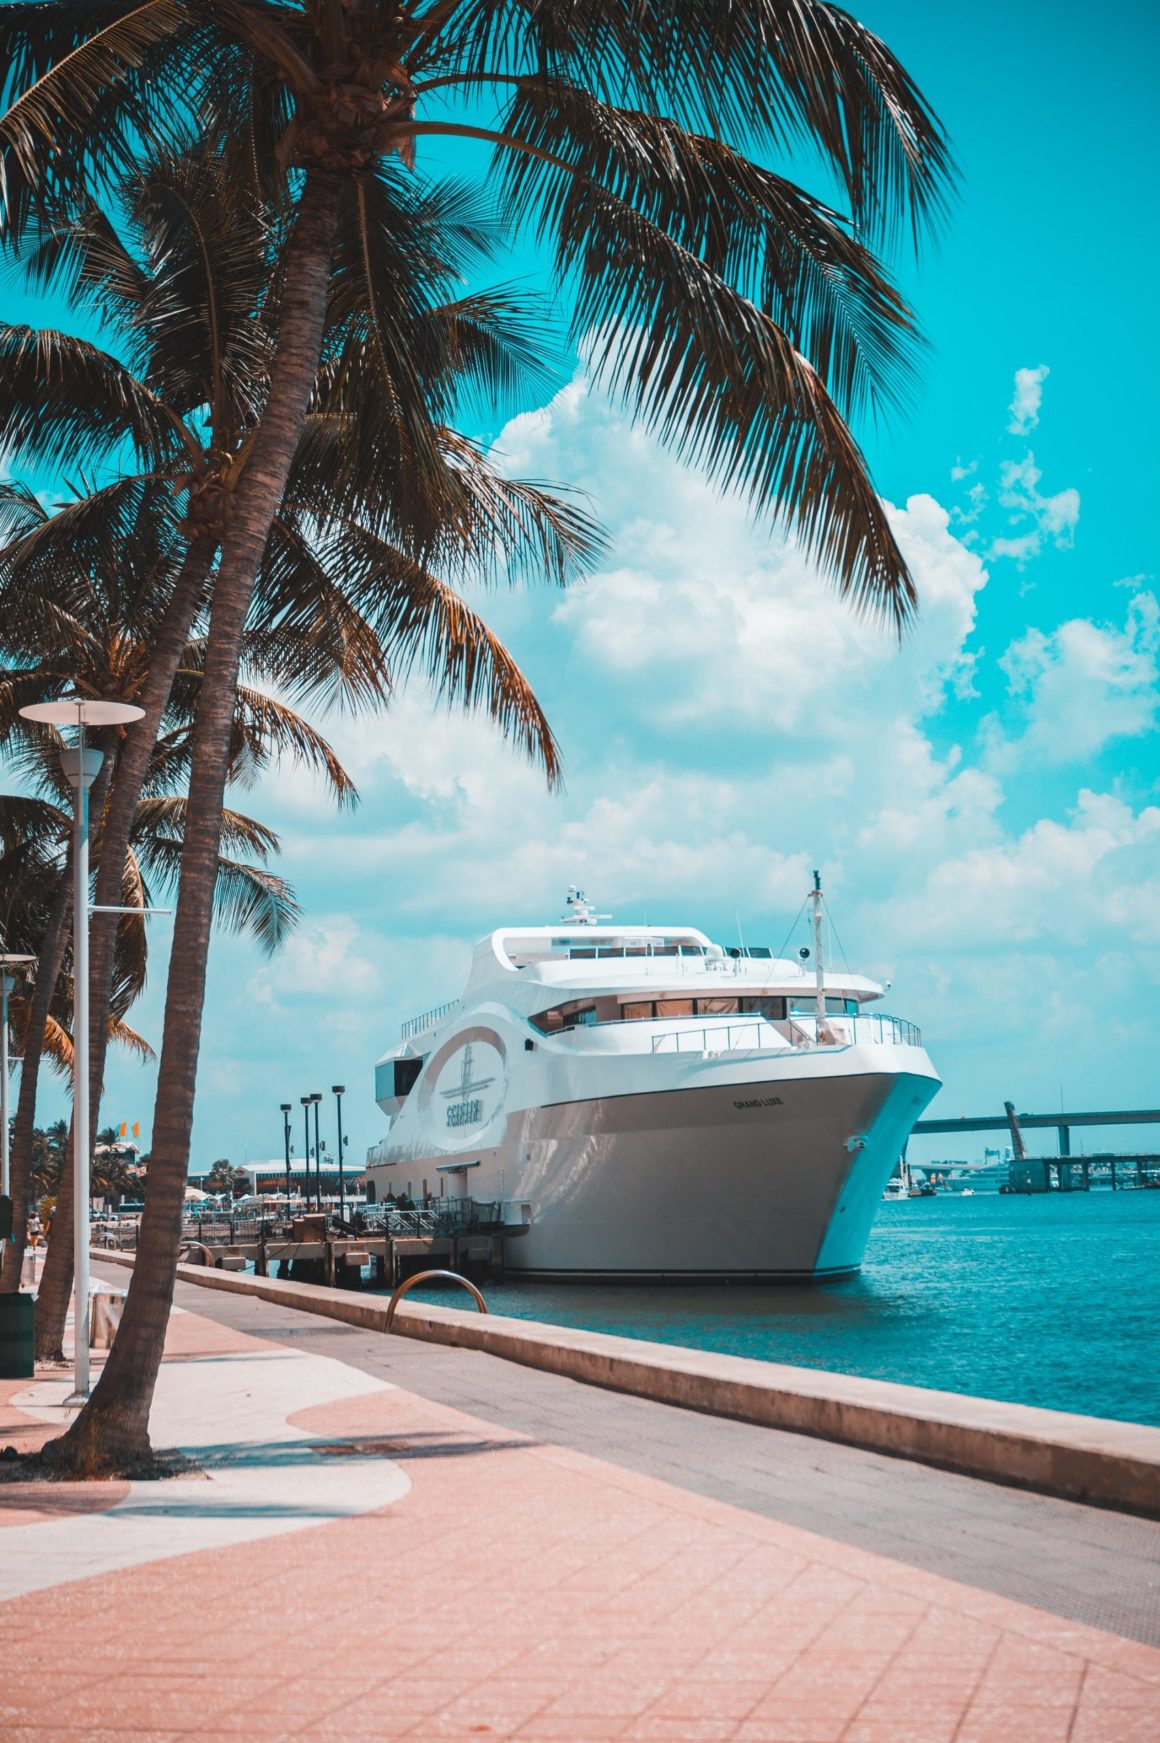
1054	885
1056	517
1082	686
706	615
1028	398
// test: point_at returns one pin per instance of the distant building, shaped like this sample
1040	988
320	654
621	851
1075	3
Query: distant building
269	1177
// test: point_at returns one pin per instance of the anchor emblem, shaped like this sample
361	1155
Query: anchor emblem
466	1109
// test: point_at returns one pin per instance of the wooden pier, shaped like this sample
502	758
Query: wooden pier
312	1249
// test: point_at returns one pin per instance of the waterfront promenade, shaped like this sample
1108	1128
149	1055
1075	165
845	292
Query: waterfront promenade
400	1539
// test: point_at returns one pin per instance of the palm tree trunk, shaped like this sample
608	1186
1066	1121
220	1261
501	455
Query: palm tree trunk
49	963
112	1431
56	1280
132	765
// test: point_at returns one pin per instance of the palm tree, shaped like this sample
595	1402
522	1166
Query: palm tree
427	623
177	262
736	314
90	593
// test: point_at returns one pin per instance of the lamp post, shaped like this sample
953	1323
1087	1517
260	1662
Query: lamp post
7	985
81	767
285	1107
316	1098
306	1149
338	1090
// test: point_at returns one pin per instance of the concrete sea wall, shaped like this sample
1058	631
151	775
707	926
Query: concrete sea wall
1084	1458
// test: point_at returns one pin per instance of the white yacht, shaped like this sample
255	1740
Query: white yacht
639	1102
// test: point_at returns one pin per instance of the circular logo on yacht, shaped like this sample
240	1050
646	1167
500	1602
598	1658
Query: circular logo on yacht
468	1089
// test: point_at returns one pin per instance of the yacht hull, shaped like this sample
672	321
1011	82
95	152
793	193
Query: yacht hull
774	1177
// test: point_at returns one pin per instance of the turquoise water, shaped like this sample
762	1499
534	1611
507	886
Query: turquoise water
1052	1301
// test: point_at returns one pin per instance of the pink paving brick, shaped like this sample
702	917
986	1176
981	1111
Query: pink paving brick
527	1591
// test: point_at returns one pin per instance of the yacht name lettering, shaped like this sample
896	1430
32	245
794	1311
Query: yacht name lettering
465	1113
762	1101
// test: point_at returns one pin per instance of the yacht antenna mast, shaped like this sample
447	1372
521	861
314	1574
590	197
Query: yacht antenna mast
819	959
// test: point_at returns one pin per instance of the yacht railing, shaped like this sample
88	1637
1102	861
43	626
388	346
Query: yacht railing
416	1025
720	1038
802	1032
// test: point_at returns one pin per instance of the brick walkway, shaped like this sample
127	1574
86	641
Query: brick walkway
522	1590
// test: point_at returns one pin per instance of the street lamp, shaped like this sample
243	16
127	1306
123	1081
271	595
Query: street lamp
7	985
306	1149
81	767
338	1090
286	1107
316	1098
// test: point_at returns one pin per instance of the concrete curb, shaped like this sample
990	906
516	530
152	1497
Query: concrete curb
1083	1458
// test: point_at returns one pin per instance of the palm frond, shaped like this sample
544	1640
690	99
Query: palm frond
21	511
727	390
249	899
491	343
766	237
432	630
121	1035
75	73
209	247
306	635
27	822
63	399
776	71
267	731
58	1045
526	531
163	817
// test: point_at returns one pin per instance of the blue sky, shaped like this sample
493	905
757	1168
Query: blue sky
985	801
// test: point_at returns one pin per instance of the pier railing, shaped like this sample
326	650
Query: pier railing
803	1032
443	1216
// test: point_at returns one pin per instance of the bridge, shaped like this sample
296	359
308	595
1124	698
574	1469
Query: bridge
1063	1122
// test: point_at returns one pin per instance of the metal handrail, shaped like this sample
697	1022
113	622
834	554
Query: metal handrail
837	1029
416	1025
199	1247
422	1277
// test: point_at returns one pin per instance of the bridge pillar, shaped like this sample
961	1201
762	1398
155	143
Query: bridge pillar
1065	1140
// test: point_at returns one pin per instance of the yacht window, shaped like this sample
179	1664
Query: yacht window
577	955
674	1007
666	950
635	1013
636	950
835	1007
692	950
580	1019
764	1005
611	950
716	1007
406	1075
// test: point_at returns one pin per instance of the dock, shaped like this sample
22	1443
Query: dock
455	1235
